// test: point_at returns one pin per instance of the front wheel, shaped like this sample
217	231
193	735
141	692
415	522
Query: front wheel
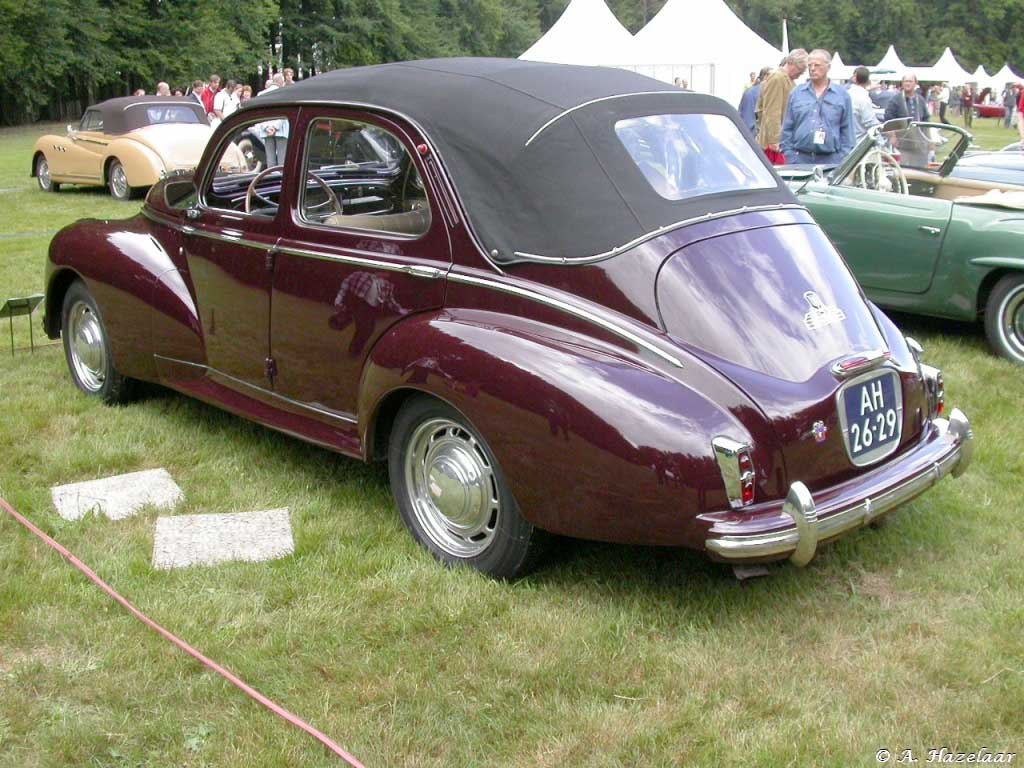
87	348
46	183
117	182
452	494
1004	318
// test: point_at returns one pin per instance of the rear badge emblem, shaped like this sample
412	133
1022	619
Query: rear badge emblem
820	431
821	314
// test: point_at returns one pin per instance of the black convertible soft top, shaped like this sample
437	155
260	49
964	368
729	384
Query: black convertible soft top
127	113
531	147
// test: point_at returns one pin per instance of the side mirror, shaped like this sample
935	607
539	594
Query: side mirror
181	194
71	128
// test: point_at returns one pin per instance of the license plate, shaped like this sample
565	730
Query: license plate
871	415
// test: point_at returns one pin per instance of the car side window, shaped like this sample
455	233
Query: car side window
360	176
250	169
92	120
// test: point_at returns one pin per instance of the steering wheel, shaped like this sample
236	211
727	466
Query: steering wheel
251	193
876	168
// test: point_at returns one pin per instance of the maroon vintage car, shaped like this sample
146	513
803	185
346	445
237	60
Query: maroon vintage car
555	299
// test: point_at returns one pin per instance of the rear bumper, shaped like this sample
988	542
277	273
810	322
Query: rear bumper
795	529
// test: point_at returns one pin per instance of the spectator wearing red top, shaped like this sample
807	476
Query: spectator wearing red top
209	92
1020	115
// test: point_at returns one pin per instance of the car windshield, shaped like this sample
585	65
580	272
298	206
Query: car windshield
171	113
925	148
689	155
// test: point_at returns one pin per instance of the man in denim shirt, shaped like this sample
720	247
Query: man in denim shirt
818	127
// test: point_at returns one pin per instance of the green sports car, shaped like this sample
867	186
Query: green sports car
920	240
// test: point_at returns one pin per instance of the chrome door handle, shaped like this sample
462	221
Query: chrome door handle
420	271
930	230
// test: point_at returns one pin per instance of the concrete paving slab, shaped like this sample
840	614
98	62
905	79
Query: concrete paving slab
187	540
117	497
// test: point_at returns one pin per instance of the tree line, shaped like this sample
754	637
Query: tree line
58	56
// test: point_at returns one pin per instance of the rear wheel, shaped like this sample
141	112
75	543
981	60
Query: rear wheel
117	181
452	494
1004	318
46	183
87	348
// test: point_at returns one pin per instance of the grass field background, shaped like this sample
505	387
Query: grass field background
906	636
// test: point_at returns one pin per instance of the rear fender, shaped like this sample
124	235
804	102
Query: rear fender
594	445
142	165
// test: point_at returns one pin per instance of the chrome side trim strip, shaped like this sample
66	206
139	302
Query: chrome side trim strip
569	111
568	309
416	270
260	390
794	539
657	232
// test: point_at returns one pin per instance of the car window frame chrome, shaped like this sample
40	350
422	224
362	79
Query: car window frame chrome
303	223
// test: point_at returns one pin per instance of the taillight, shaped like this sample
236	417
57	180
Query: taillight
935	388
746	465
737	467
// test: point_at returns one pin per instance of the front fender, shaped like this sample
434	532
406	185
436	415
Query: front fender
594	445
120	263
142	165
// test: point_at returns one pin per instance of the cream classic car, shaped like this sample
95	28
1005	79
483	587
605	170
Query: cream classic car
125	144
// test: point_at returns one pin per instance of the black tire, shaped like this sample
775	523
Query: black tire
87	348
117	182
42	170
1004	318
434	449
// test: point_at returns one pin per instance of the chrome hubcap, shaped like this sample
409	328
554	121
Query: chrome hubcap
43	173
118	181
453	489
1011	316
85	346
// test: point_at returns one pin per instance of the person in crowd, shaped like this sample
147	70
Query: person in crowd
209	94
178	92
139	92
863	108
163	89
967	104
933	100
771	103
224	103
289	76
909	103
754	80
748	102
913	144
1020	116
198	87
274	132
943	102
1009	104
954	101
246	94
818	125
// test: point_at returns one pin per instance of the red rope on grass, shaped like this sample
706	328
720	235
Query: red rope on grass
248	690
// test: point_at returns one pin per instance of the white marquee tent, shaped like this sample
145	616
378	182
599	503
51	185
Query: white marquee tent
708	39
891	61
839	70
586	33
1006	75
982	78
948	70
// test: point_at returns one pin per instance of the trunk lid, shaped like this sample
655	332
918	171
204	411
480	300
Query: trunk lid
179	145
774	309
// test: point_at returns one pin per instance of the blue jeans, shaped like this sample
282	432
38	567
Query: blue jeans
795	157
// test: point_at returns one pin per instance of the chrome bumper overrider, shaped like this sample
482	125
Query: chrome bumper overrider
800	540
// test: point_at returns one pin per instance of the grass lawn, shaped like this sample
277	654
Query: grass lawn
906	636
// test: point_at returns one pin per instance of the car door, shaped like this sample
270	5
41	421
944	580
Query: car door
86	148
891	241
227	242
365	247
